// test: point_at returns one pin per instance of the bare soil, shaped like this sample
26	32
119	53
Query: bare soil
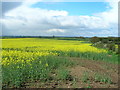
92	67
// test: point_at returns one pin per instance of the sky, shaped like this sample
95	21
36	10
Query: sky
37	18
74	8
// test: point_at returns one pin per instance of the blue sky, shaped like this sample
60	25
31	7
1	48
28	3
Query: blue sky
74	8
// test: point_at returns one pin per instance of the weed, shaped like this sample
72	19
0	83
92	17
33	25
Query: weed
89	86
74	83
85	77
102	78
63	74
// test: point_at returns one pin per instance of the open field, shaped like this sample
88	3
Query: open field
57	63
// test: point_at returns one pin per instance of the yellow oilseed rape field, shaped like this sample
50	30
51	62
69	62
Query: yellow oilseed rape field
33	59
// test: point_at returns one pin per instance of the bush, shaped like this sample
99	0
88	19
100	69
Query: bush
95	39
111	47
105	40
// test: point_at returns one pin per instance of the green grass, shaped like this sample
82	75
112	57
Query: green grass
85	77
15	75
63	74
92	56
88	86
102	78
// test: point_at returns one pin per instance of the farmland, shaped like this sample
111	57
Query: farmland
57	63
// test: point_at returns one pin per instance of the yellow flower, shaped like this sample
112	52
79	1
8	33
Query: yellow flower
40	62
46	64
17	66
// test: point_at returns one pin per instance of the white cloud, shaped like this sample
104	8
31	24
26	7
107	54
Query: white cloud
25	20
56	30
110	16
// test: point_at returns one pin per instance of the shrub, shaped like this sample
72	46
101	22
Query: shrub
111	47
95	39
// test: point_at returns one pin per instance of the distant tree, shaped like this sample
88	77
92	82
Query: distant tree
113	39
94	39
39	36
53	36
104	40
82	37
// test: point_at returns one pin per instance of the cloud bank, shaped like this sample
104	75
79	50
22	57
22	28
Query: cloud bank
25	20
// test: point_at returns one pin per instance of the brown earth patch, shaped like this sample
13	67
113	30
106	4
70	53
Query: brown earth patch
91	67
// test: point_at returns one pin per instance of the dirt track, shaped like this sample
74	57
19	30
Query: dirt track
91	67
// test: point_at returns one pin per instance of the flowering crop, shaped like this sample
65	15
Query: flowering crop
26	59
